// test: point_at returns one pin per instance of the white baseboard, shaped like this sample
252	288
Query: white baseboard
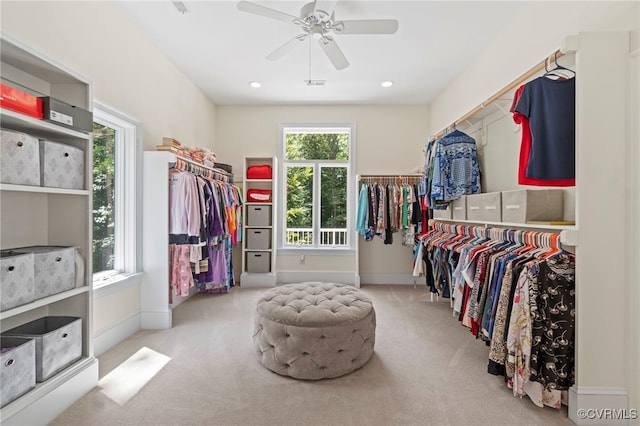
156	320
600	406
287	277
393	278
115	335
179	299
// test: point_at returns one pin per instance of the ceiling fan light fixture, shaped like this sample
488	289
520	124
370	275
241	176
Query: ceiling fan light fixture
255	84
387	83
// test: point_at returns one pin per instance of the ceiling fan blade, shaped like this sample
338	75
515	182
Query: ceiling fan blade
247	6
368	26
286	48
334	53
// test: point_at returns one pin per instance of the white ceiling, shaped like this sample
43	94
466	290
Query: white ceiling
221	49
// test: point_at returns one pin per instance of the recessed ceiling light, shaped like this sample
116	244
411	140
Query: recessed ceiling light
254	84
387	83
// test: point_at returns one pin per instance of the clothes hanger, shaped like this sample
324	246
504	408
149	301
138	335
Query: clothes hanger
559	72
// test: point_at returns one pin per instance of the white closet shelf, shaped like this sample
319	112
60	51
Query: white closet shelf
568	233
16	121
42	189
42	302
44	388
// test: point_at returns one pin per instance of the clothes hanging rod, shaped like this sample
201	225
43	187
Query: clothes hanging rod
508	88
202	166
411	175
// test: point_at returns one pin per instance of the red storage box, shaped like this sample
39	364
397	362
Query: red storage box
259	172
259	195
19	101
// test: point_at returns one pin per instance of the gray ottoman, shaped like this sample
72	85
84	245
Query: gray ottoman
314	330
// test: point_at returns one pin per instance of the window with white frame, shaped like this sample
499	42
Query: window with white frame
316	181
116	181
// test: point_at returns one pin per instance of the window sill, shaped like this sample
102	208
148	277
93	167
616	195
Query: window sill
116	283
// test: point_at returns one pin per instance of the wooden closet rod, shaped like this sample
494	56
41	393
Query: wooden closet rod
510	87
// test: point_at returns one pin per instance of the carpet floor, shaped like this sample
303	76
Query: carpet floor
426	369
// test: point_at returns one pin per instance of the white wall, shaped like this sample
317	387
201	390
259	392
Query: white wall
127	72
389	140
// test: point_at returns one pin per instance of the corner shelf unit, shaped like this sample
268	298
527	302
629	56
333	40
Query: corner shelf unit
35	215
259	228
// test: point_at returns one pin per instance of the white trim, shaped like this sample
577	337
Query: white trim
177	300
283	129
117	284
391	278
156	320
114	335
584	400
286	277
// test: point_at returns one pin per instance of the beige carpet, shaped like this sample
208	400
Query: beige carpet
426	370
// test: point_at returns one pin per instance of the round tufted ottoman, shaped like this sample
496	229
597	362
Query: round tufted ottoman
314	330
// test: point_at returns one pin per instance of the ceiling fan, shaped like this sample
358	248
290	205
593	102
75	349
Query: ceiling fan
317	20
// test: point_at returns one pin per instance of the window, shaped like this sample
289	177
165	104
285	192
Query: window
116	179
317	182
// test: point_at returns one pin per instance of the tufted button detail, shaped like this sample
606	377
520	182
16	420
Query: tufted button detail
322	336
340	350
306	353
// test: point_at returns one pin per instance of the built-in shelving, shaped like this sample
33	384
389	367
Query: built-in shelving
36	215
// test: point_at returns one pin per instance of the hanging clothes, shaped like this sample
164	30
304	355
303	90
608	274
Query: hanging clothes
204	224
515	290
456	171
549	105
525	150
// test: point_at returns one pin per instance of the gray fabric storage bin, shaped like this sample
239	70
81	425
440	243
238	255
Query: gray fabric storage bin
18	364
259	239
258	215
485	207
19	159
442	214
259	262
62	166
58	343
459	208
55	269
523	205
16	279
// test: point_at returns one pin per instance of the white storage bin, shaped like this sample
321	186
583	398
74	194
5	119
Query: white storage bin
258	262
58	343
459	208
258	215
523	205
259	239
484	207
62	166
16	279
54	266
442	214
19	158
18	368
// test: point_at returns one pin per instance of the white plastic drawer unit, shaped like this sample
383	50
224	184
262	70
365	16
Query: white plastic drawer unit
258	239
17	368
484	207
523	205
62	166
58	343
258	215
54	269
459	208
19	159
259	262
16	279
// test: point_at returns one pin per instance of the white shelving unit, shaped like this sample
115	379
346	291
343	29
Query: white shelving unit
259	228
33	215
